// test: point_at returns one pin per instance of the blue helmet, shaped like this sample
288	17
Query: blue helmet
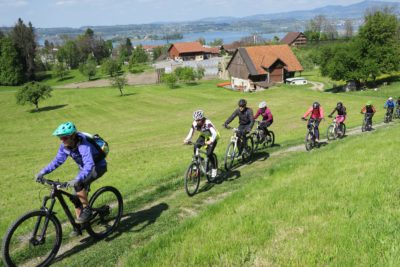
64	129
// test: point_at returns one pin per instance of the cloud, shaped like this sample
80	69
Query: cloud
13	3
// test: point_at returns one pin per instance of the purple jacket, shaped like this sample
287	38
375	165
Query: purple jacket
83	155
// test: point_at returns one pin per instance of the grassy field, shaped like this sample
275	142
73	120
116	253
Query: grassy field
145	130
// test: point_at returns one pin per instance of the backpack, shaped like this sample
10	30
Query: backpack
99	143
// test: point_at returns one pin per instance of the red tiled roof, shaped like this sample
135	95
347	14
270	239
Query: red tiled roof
212	50
189	47
150	47
264	56
290	37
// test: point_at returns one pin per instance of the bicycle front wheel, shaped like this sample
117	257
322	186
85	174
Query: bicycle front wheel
249	148
107	207
192	179
309	142
330	133
256	140
230	155
33	240
270	139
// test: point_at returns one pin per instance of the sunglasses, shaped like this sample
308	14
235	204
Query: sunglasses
65	138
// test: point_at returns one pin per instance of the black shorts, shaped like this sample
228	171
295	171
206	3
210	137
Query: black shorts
93	176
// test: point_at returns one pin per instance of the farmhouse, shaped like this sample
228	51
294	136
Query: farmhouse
294	39
191	51
257	67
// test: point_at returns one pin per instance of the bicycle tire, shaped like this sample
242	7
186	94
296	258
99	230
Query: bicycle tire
107	207
230	155
330	133
212	159
309	142
270	139
28	256
249	148
256	139
364	126
192	177
343	130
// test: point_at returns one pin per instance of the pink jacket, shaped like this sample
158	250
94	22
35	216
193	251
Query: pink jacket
315	113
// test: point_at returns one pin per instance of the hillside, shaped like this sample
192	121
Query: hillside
145	130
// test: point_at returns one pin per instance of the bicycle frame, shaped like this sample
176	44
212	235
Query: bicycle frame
197	158
55	194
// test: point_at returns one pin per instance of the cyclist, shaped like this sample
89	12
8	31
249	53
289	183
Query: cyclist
398	107
317	114
389	105
369	111
91	162
246	121
267	118
208	136
341	114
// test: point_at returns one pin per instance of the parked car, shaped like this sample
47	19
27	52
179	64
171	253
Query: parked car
296	81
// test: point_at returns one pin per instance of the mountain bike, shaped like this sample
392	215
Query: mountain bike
232	151
367	122
397	113
335	130
261	138
198	167
35	238
388	115
310	140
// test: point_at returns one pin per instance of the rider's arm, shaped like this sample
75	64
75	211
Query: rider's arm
85	149
364	109
234	114
307	112
333	111
60	158
269	115
321	112
190	134
250	112
213	134
373	109
258	113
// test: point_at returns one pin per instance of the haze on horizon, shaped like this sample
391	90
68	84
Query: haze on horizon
78	13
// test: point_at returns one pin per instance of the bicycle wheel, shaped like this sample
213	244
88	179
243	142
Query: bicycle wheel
32	240
330	133
364	126
107	207
192	179
309	143
212	163
230	155
248	149
270	139
256	140
343	129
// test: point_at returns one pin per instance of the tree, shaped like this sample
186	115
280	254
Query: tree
69	53
119	82
89	68
217	42
23	38
200	72
170	79
378	44
159	50
201	40
348	29
185	74
32	93
60	70
111	67
139	55
11	70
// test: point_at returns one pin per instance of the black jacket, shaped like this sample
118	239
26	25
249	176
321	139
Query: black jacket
245	117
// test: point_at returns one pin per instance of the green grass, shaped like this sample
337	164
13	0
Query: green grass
145	130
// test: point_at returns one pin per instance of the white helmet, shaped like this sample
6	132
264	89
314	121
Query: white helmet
390	98
198	115
262	104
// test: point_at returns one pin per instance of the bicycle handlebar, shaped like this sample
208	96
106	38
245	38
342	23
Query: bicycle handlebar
57	184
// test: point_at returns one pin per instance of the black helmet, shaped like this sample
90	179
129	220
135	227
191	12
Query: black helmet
315	105
242	103
339	104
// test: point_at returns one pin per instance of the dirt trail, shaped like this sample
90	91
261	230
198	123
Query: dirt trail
133	79
317	86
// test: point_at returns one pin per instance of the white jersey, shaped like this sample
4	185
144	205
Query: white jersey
207	130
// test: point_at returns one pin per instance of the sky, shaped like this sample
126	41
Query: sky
78	13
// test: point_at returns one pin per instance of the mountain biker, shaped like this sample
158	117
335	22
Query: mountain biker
317	114
389	105
341	114
208	135
246	121
369	111
398	106
91	162
267	118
